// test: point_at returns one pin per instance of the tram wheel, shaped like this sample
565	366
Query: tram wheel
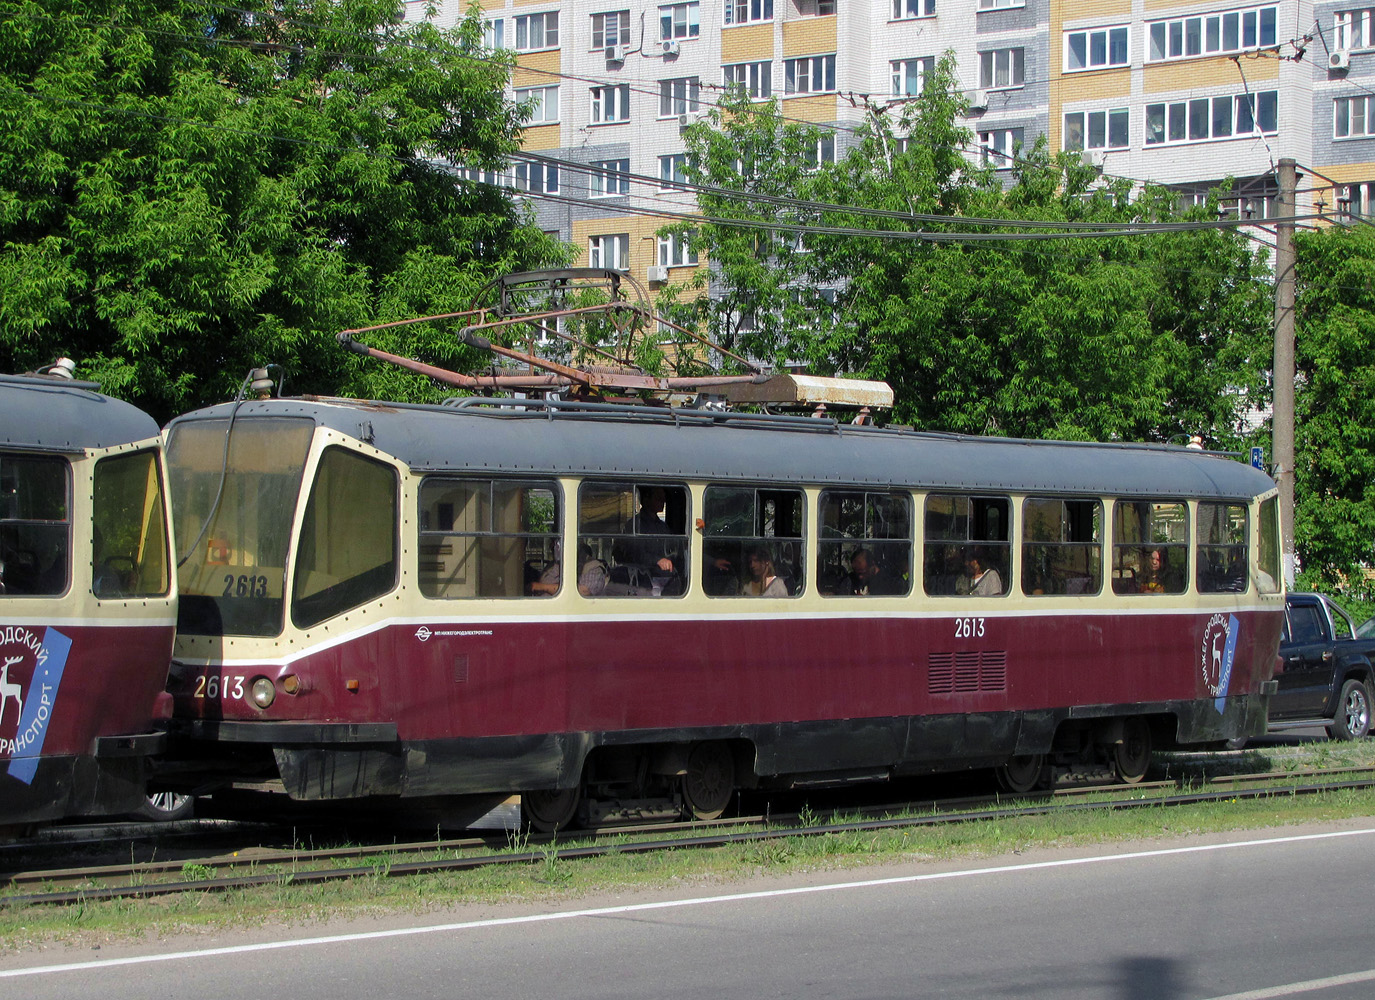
1132	756
1021	773
550	809
710	780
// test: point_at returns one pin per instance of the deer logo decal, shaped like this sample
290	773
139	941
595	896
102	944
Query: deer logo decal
1217	653
10	689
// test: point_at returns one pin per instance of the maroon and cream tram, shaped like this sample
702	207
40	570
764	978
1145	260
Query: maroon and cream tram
610	607
87	599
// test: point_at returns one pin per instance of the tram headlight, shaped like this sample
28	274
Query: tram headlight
262	692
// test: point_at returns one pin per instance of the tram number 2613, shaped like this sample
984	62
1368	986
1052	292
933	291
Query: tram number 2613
969	628
214	686
244	586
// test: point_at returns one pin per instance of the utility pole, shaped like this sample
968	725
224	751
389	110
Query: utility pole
1282	418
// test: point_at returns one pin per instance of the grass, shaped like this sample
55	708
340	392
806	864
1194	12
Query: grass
552	880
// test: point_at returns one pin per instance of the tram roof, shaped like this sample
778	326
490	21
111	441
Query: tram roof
43	413
640	443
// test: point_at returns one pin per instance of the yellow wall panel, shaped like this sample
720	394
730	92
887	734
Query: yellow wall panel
809	36
1097	10
1193	73
540	137
748	43
1100	86
1346	173
528	69
821	108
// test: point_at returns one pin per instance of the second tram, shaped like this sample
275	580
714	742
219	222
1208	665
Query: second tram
608	608
87	600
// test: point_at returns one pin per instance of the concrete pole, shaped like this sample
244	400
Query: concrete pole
1282	420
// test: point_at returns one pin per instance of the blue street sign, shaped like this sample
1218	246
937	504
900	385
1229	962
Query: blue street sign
1258	458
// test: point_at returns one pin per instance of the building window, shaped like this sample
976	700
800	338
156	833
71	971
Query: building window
1097	129
904	9
746	11
1206	118
672	170
1234	31
812	75
678	97
1355	116
680	20
605	181
480	176
755	78
611	104
1358	199
1095	49
493	35
910	75
542	104
537	31
611	29
1002	68
823	151
537	178
611	252
1000	4
999	148
677	251
1355	29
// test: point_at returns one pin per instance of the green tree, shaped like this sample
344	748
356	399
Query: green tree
189	189
1131	337
1334	418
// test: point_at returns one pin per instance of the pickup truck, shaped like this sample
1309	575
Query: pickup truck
1325	677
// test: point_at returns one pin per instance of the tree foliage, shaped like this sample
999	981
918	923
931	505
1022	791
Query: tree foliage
1334	407
1128	337
188	189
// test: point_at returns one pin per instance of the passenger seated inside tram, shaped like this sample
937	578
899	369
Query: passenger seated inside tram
764	579
867	577
984	580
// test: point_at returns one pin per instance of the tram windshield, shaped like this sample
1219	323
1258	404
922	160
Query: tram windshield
233	515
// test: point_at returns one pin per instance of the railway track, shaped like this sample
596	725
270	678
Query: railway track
254	867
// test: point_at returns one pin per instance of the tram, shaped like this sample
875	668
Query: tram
87	599
615	609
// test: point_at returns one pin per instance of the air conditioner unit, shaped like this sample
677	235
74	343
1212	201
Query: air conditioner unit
1092	158
670	46
691	118
1341	59
615	53
656	274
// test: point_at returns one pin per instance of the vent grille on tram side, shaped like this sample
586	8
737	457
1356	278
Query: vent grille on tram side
967	672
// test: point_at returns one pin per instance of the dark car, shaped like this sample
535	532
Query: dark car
1326	677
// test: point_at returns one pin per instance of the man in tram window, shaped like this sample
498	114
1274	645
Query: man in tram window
664	565
868	578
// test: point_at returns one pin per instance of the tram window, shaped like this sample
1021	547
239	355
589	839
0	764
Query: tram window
347	551
1268	567
35	525
967	545
1150	550
753	537
1062	546
488	538
638	533
231	519
866	543
129	528
1221	548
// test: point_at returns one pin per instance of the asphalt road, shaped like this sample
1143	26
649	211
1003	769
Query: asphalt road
1274	914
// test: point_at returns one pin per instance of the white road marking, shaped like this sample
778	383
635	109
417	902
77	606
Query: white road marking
1308	986
611	911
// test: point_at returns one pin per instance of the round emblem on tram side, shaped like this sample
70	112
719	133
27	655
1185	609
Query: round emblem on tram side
1214	652
423	633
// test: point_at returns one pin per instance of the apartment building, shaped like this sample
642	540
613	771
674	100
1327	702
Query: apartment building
1184	94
